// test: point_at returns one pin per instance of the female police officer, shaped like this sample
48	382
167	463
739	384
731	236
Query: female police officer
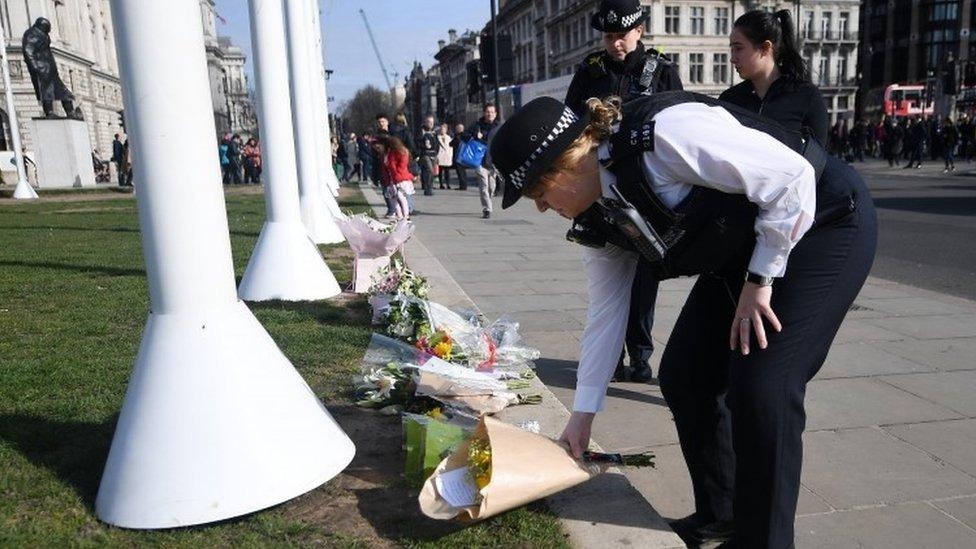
757	214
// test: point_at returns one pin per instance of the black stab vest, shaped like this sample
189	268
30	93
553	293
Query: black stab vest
710	231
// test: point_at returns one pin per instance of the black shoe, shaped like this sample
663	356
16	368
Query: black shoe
641	372
485	214
620	374
696	531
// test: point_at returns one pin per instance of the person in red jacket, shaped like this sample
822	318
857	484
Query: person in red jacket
397	179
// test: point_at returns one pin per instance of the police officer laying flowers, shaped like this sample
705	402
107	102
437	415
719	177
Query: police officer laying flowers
781	238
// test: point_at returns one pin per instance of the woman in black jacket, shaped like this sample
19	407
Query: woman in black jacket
776	82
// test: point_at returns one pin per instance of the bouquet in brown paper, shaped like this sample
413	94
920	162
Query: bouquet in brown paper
502	467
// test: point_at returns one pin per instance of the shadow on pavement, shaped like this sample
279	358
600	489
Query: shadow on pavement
946	205
562	373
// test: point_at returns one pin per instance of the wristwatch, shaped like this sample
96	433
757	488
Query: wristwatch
759	279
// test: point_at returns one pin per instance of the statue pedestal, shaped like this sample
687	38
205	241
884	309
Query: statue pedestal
64	153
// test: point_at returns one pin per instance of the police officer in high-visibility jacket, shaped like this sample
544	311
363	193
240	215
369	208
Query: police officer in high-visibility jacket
625	68
781	237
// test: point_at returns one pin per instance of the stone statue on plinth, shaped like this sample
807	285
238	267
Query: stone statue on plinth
48	86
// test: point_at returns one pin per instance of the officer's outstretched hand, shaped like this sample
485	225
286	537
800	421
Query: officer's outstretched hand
753	306
577	432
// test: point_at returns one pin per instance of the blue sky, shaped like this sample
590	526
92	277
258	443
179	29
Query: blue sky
405	30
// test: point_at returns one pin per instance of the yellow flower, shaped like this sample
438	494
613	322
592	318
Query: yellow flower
443	349
479	462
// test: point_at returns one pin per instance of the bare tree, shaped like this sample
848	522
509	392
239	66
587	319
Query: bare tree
359	113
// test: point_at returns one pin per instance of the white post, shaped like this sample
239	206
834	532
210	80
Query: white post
315	213
23	189
285	263
216	422
323	133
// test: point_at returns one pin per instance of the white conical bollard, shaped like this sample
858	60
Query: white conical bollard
315	212
23	190
323	133
285	263
216	422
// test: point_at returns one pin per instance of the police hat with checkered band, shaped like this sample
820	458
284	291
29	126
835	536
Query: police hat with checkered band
525	146
618	16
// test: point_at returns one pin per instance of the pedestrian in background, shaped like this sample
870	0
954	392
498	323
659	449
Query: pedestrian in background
223	149
352	158
366	157
252	162
950	140
235	158
965	128
445	157
397	179
917	131
117	151
427	147
487	175
459	169
775	80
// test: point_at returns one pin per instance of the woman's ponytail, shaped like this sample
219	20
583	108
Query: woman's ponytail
787	57
759	26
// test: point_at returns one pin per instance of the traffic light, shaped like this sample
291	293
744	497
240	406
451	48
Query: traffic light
474	80
505	58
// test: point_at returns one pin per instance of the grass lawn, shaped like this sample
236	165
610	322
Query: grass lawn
73	302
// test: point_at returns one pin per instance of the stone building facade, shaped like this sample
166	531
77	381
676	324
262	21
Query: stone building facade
83	43
453	58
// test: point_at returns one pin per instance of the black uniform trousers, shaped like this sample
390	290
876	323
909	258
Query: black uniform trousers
640	320
740	418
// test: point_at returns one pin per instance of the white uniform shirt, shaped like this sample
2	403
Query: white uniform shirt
694	144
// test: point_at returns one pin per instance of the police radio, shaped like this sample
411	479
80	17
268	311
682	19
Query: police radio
640	233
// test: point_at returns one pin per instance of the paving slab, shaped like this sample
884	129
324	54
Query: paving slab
860	467
941	354
962	509
855	329
905	526
912	306
862	402
953	390
950	441
861	359
929	327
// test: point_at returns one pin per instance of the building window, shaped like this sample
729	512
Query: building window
825	20
824	75
841	70
696	68
843	103
672	19
843	24
720	68
697	20
808	24
721	21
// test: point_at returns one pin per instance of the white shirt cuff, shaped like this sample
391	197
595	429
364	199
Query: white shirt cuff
768	261
589	398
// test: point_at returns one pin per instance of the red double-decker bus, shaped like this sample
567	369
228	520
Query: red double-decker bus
899	100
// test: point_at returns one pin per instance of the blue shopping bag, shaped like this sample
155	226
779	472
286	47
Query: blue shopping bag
472	153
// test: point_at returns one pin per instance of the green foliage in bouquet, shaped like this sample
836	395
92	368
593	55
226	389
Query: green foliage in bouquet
396	279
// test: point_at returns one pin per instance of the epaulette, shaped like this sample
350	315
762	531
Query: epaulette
593	63
662	57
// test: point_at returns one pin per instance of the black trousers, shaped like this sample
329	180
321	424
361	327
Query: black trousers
643	295
740	418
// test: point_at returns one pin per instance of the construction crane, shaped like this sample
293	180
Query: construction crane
376	49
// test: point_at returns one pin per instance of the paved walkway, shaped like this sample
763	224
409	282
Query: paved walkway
890	449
